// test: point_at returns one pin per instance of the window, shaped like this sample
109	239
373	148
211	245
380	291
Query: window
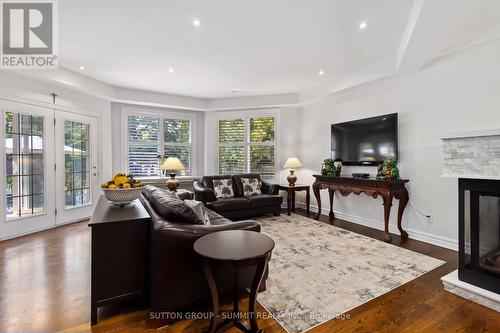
247	145
177	142
76	164
150	136
25	164
143	148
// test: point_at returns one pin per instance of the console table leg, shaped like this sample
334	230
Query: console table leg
403	200
93	314
316	188
387	214
330	193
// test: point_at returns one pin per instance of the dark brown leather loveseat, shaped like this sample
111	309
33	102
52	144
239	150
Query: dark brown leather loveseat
176	280
239	206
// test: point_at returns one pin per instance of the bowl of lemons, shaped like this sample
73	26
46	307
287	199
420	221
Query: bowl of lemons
123	189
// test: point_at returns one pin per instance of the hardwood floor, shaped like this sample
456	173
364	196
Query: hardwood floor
45	287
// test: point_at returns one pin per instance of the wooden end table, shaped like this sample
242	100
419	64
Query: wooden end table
290	198
238	248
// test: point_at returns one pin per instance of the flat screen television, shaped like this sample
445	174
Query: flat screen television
367	141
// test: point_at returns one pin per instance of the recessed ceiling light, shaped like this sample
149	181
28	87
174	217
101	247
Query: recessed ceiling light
171	70
321	72
363	25
196	22
82	68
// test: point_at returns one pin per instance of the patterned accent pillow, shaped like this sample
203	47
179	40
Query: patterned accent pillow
251	186
223	188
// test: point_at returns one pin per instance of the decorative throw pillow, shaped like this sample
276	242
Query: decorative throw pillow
251	186
199	210
223	188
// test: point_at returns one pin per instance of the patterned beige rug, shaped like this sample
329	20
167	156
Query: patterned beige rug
319	272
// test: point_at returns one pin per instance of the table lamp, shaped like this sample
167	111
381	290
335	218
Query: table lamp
292	163
172	164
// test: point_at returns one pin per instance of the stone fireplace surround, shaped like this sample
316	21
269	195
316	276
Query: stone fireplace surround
473	155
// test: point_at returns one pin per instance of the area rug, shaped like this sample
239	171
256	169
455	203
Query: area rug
319	272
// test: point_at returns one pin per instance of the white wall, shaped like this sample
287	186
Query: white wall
459	93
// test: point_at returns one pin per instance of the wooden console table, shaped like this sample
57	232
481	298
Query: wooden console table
372	187
119	254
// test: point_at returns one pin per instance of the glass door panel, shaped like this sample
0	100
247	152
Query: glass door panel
76	164
77	174
24	152
25	176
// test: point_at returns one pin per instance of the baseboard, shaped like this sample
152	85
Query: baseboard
418	235
43	229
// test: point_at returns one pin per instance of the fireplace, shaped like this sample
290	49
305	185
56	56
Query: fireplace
479	233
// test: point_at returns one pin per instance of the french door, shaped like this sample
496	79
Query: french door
48	168
27	160
77	187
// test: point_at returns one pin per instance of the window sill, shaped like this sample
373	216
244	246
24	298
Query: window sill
156	180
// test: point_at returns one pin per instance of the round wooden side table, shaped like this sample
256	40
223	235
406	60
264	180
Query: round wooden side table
238	248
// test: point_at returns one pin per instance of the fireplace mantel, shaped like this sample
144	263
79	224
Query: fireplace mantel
474	154
471	134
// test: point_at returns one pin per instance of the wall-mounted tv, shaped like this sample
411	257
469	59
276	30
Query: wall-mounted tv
367	141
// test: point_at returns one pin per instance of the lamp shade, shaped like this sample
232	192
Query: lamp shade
172	163
292	163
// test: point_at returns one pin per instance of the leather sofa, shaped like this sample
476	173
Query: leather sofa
176	280
239	206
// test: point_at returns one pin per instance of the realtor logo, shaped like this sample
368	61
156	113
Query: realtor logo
28	31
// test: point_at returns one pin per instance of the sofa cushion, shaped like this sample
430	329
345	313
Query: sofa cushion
170	207
238	185
216	219
251	186
199	210
265	200
147	190
224	205
223	188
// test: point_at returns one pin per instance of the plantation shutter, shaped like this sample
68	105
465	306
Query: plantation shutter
177	137
143	146
231	146
261	152
247	145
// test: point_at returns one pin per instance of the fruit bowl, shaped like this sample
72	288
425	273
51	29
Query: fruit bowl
122	189
122	196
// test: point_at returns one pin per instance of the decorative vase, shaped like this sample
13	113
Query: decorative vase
292	178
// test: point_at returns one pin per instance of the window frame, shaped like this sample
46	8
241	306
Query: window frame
160	114
246	116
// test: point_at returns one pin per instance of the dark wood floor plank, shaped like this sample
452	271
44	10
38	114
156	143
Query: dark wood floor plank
44	287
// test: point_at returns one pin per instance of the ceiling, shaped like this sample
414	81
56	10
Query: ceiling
253	47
